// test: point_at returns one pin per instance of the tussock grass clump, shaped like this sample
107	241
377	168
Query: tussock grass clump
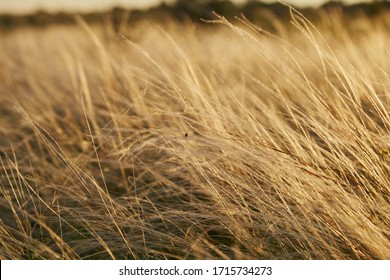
189	142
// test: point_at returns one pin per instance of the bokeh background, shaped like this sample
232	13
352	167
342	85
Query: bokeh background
28	6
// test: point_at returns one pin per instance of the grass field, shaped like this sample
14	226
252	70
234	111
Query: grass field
185	141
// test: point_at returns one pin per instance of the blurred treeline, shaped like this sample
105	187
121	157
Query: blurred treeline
198	11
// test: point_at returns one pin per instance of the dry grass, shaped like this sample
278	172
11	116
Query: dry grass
189	142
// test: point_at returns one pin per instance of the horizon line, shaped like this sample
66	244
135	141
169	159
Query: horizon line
85	7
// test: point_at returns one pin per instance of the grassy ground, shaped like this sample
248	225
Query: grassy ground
219	141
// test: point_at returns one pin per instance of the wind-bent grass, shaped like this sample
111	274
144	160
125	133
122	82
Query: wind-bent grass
216	142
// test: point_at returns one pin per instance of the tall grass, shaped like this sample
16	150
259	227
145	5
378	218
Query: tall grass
220	141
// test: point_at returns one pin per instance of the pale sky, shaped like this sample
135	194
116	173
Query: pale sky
26	6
